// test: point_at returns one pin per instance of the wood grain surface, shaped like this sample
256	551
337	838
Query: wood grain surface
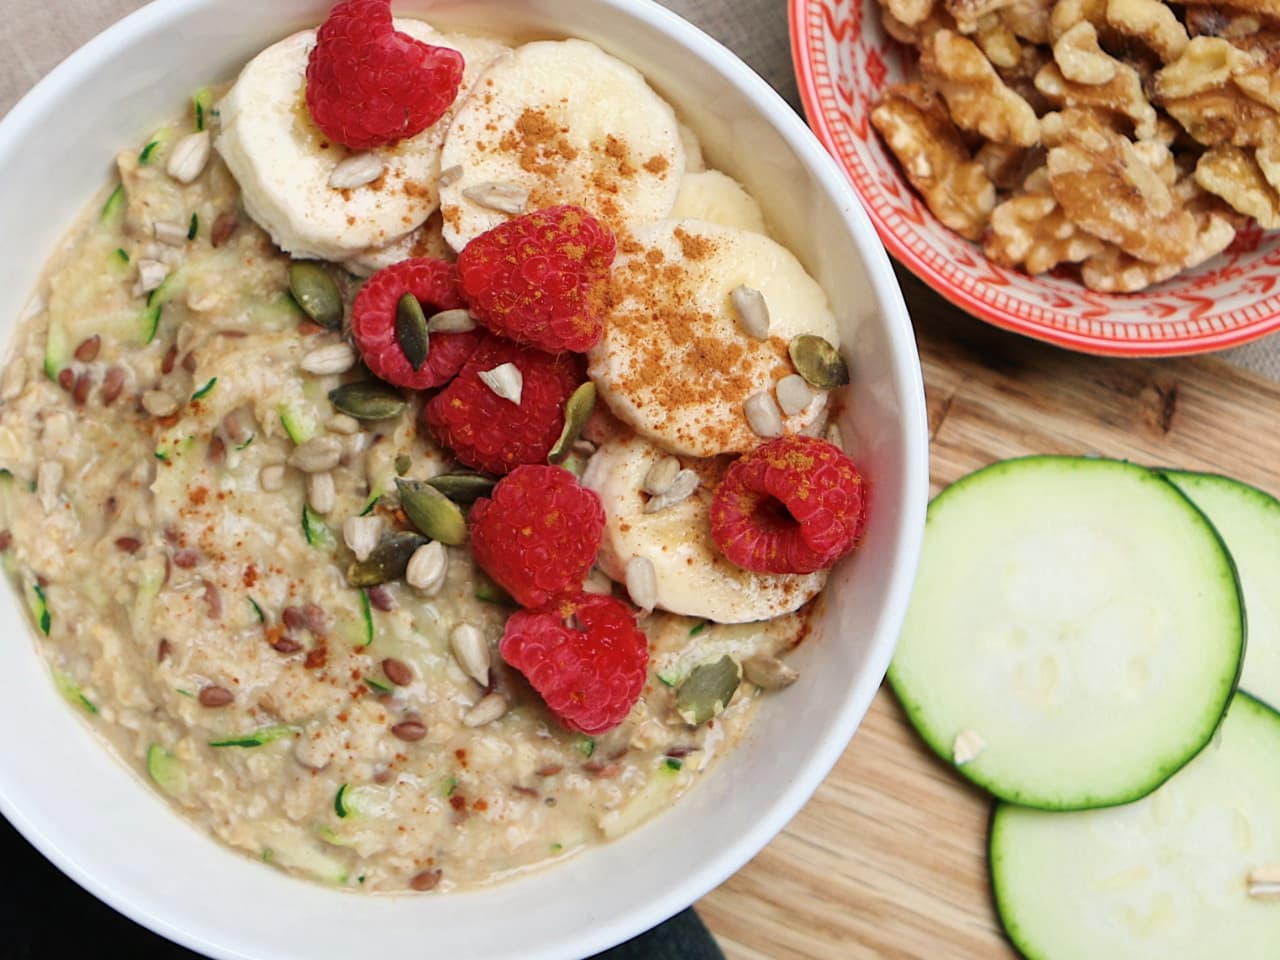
888	860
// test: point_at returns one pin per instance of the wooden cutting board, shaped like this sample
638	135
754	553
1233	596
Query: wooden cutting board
888	860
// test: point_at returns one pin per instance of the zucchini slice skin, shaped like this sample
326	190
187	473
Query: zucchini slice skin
1083	618
1248	520
1165	877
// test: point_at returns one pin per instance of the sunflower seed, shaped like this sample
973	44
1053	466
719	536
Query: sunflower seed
763	415
794	395
317	455
576	413
329	359
356	170
362	534
340	423
753	312
681	488
818	362
504	196
151	275
451	321
159	404
271	478
322	495
490	708
966	747
49	484
386	562
431	511
597	582
427	568
768	673
642	583
316	293
368	400
15	378
450	175
506	381
708	690
173	234
660	476
471	651
189	157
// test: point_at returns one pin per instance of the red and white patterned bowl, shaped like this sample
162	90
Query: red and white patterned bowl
844	59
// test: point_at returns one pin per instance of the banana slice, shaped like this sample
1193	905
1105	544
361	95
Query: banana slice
675	363
426	241
284	165
711	195
693	161
693	578
560	121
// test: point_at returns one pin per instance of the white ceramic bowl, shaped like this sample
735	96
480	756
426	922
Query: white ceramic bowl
118	838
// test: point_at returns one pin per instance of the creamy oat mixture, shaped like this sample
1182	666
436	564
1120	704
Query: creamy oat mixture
178	494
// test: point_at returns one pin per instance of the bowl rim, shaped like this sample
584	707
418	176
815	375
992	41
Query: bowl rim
802	59
150	910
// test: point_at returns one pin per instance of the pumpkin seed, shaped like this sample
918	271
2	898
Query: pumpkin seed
708	690
463	487
411	331
818	362
432	512
316	293
576	413
386	562
403	464
368	400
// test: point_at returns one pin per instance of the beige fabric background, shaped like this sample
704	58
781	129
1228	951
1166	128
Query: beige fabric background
35	35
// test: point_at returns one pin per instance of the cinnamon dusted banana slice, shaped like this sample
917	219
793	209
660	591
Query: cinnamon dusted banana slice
683	569
711	195
315	198
560	121
698	336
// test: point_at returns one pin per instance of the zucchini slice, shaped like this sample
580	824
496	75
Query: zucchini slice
1165	877
1249	522
1075	634
166	770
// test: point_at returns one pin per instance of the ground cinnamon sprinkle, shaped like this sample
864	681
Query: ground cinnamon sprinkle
693	246
657	164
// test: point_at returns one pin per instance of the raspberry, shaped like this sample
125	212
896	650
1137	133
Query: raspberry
490	433
373	323
539	534
792	505
540	279
589	678
368	85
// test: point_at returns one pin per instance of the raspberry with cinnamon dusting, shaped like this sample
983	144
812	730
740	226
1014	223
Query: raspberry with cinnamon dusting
793	505
539	279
